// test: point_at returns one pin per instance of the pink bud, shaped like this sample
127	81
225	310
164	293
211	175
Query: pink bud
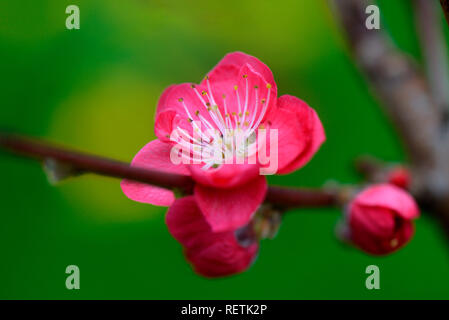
400	177
380	219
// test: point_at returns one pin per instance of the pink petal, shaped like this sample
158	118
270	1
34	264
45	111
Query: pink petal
375	221
163	99
185	221
229	67
229	209
154	155
225	176
390	197
310	131
290	144
212	254
242	93
164	125
222	257
174	96
372	241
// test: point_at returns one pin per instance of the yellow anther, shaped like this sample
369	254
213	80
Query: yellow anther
240	114
192	86
246	123
180	99
203	93
208	104
394	242
224	96
256	87
233	113
197	112
235	87
247	113
227	115
215	107
245	76
263	101
268	86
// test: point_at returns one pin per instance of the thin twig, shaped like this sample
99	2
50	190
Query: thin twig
372	169
81	162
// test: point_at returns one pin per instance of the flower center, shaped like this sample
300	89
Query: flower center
228	136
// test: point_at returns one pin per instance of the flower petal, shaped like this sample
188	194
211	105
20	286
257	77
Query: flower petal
226	176
375	221
222	256
229	209
390	197
244	96
229	67
212	254
186	222
154	155
288	146
310	130
176	96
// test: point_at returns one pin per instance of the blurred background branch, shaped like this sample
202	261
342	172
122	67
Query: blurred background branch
445	6
395	80
416	108
429	27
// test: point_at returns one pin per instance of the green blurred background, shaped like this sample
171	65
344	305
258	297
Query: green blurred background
96	89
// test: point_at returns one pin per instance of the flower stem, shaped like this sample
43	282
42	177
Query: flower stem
85	163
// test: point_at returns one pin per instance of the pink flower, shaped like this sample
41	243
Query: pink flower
237	98
212	254
380	219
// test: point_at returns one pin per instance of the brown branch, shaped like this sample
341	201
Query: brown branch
434	49
372	169
279	196
396	81
93	164
406	96
289	197
445	6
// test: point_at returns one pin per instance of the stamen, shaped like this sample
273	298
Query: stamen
228	131
228	120
264	110
238	98
246	97
255	108
193	123
210	90
217	123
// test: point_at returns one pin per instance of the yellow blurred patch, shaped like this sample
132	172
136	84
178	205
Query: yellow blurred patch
114	118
